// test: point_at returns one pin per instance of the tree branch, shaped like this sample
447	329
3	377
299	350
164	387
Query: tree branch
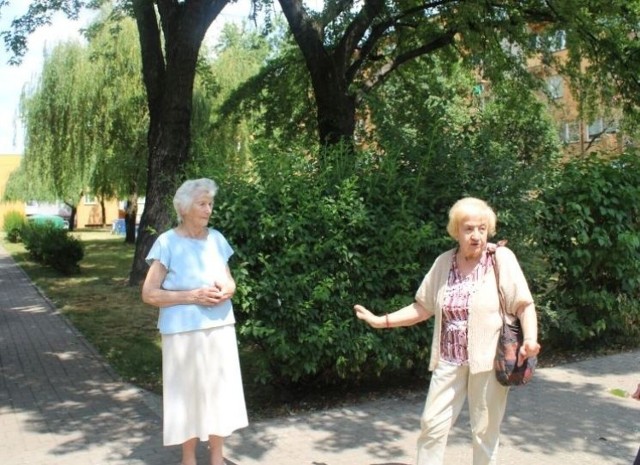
153	65
39	14
380	76
380	29
307	32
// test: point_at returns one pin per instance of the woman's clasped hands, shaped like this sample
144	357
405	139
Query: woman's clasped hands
212	295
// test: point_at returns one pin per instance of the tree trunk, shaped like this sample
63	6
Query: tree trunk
327	67
169	83
72	216
130	218
336	108
103	212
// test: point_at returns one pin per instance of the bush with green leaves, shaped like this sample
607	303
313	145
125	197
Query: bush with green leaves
53	247
592	243
307	250
317	231
312	239
14	221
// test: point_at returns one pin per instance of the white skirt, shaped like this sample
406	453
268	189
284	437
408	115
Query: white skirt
202	385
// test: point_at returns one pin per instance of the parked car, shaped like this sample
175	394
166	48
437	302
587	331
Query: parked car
55	220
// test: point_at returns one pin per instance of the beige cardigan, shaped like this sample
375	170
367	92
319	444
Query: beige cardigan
484	312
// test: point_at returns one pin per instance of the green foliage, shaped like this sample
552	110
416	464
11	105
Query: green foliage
118	159
217	142
58	135
307	250
275	101
457	141
592	241
86	120
316	234
13	223
53	247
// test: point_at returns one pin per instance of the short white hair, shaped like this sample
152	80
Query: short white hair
189	190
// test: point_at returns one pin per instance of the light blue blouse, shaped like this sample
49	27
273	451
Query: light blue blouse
191	264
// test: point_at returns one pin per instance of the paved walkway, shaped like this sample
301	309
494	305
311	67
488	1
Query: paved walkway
61	404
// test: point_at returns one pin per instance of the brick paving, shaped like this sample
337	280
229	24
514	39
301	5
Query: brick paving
61	404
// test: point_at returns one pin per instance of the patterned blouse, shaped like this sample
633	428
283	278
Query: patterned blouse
455	311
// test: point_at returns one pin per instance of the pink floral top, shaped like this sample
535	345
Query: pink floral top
455	311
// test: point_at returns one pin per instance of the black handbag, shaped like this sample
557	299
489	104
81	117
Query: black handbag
508	371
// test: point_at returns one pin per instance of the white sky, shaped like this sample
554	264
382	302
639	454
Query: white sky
14	78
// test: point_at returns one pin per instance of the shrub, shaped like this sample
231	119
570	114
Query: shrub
13	223
308	249
315	233
54	247
592	241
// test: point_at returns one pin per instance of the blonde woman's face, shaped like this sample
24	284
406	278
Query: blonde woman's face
473	232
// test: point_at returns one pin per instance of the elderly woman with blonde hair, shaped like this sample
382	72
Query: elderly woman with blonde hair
460	291
190	281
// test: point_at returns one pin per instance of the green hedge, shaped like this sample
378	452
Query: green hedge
52	246
13	224
591	221
307	250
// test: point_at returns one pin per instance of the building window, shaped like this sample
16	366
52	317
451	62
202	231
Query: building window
612	127
549	42
599	126
555	87
558	41
89	199
595	128
569	132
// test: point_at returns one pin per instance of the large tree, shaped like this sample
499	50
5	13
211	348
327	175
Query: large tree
120	111
171	33
350	47
169	73
60	138
86	121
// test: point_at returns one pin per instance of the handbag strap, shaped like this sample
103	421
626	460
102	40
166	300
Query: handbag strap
494	262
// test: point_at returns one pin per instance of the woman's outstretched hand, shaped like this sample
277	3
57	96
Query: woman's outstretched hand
365	315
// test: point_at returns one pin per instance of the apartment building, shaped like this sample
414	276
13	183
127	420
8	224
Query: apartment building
580	135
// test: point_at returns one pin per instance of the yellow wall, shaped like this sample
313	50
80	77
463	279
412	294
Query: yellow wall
8	164
89	213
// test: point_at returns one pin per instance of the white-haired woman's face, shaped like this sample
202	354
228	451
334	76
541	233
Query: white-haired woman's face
473	232
199	212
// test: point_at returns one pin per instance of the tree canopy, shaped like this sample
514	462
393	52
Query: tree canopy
350	49
170	34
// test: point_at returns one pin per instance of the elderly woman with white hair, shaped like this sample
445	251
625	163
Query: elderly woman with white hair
190	281
460	290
